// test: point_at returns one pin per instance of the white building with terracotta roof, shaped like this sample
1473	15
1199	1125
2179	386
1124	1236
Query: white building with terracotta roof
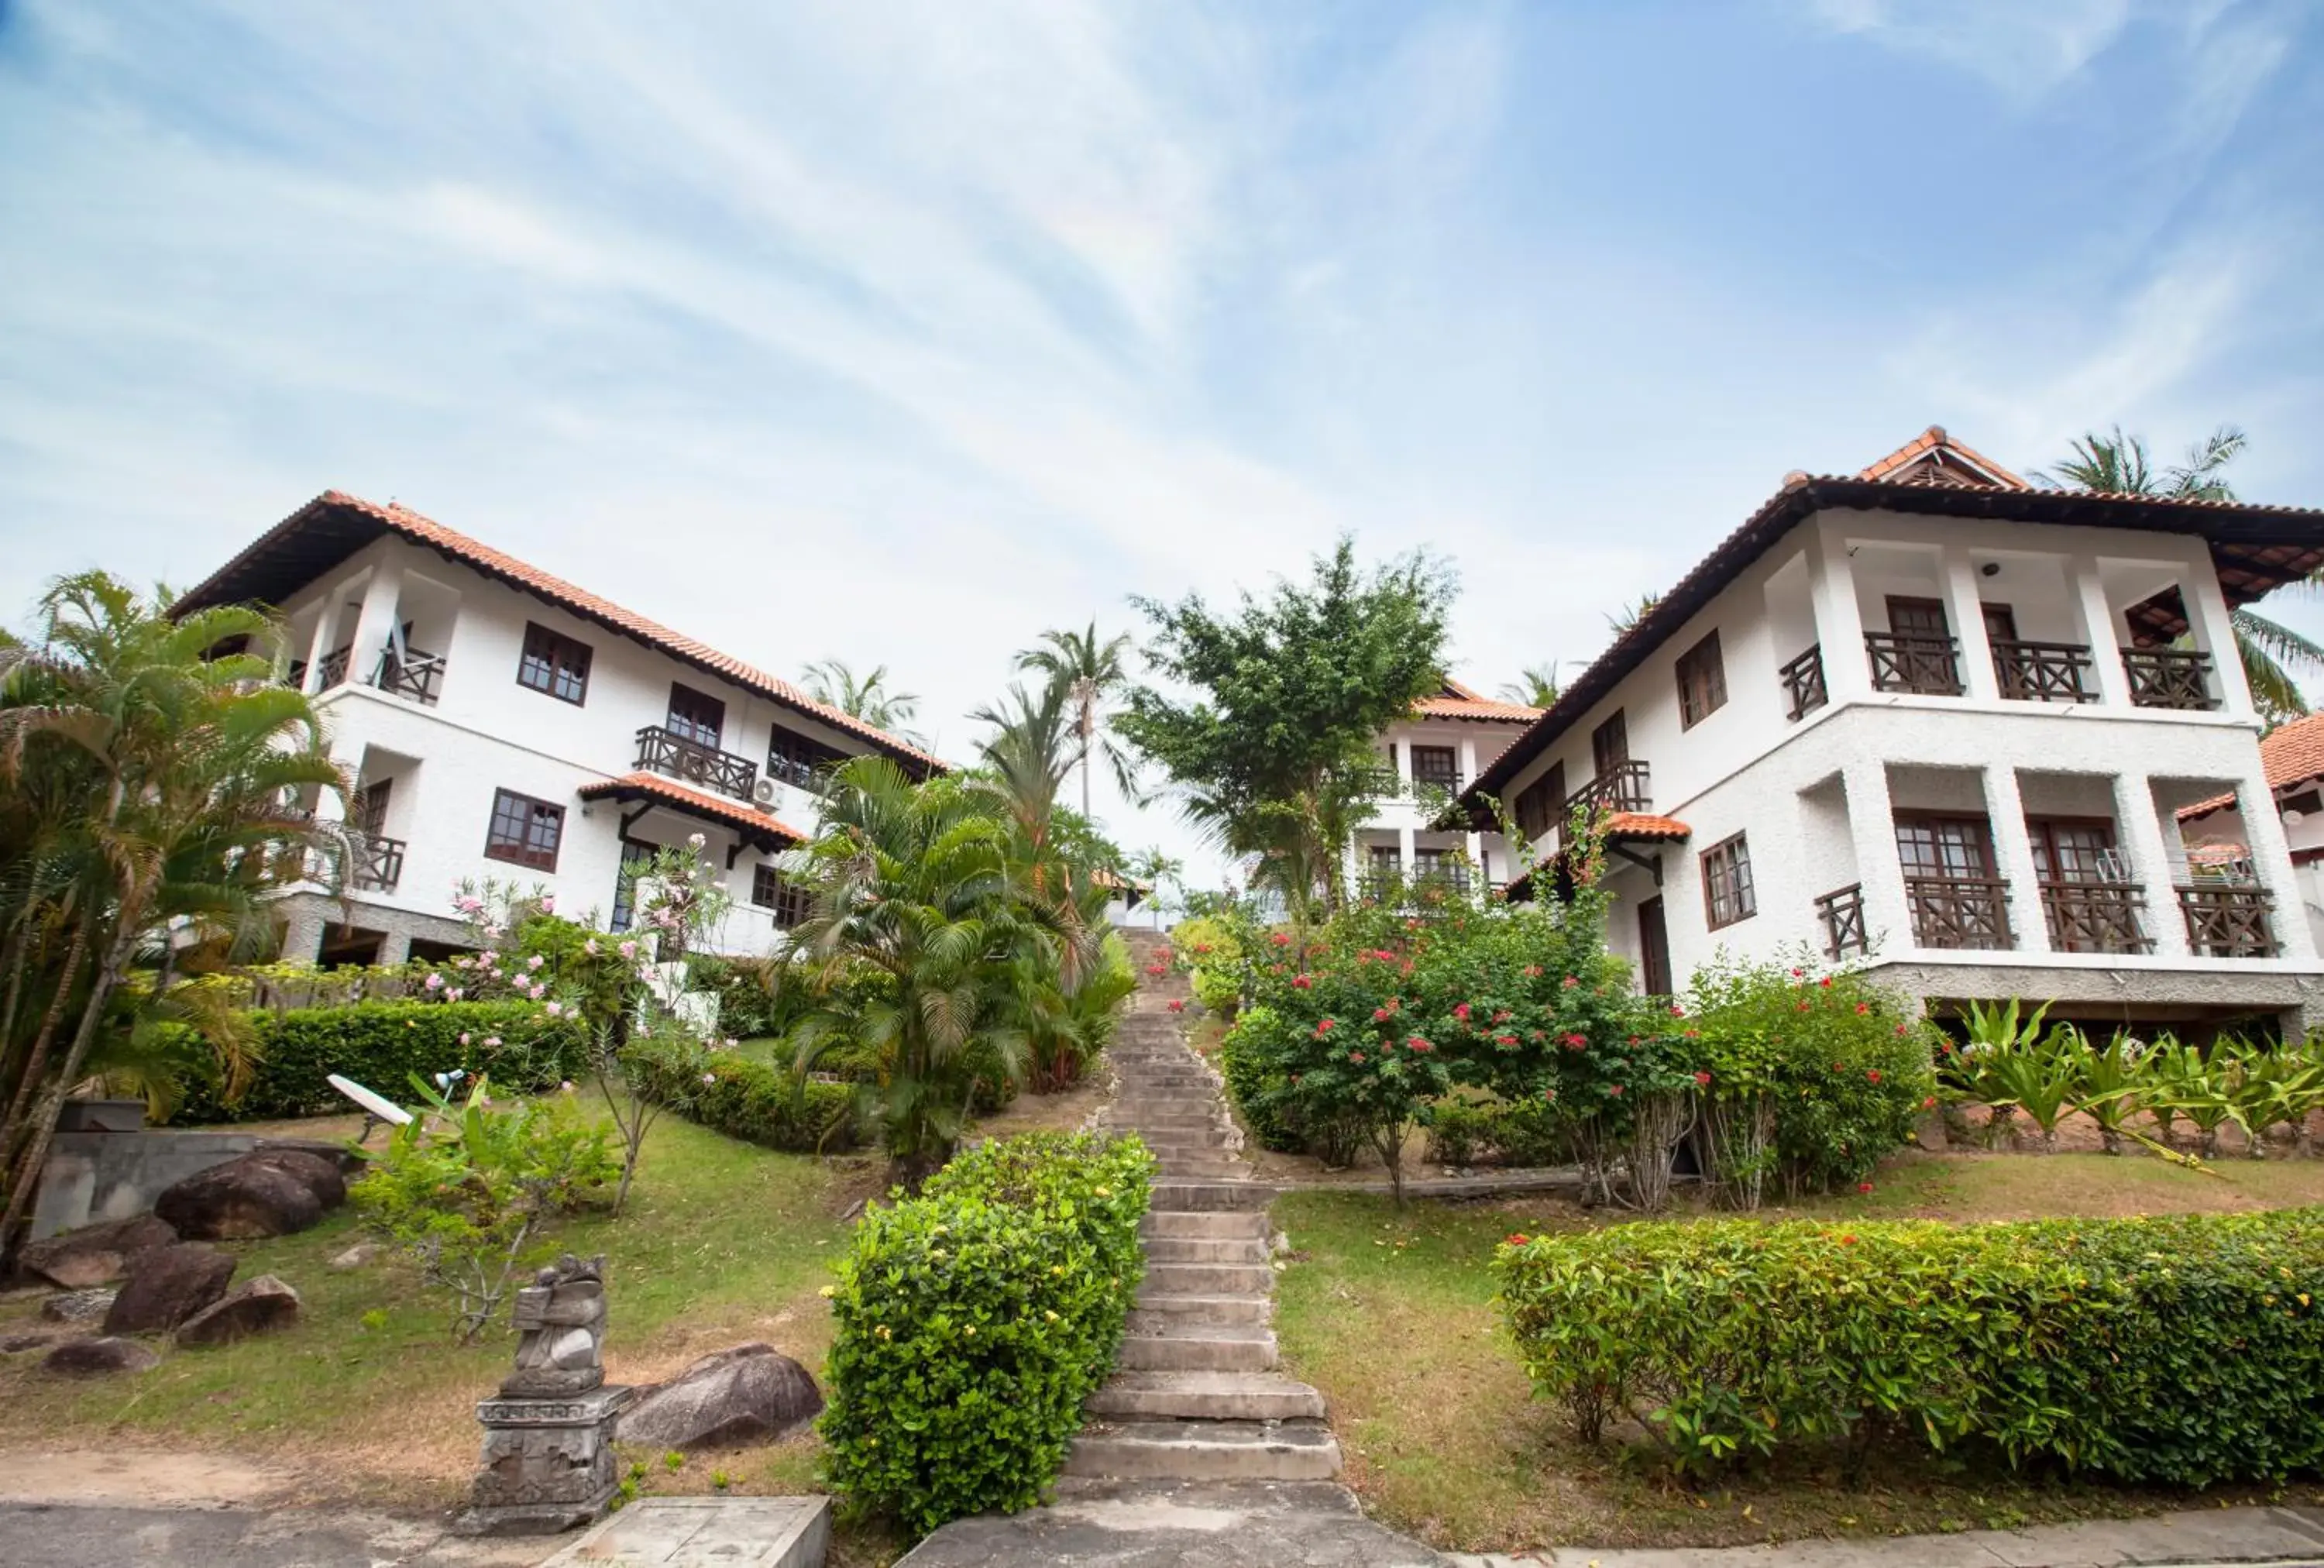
2218	842
1934	719
499	722
1451	737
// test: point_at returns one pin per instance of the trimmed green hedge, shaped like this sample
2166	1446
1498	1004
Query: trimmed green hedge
380	1045
975	1319
2186	1349
749	1100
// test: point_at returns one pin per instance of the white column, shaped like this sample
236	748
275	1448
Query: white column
2138	828
2272	859
1966	603
326	638
1872	826
1404	847
372	622
1839	624
1403	750
2099	628
2013	849
1474	842
2214	633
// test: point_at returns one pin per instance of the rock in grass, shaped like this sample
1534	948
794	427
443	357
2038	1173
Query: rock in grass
167	1285
358	1255
94	1358
95	1254
260	1306
752	1393
30	1339
268	1192
79	1306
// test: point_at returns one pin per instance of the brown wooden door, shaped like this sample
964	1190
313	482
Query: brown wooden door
1654	949
1917	617
1609	744
2000	622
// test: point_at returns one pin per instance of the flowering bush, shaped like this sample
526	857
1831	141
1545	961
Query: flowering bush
1211	949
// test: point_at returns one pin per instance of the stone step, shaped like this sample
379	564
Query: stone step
1203	1249
1207	1396
1218	1346
1214	1136
1206	1451
1210	1279
1158	1313
1219	1170
1187	1197
1226	1226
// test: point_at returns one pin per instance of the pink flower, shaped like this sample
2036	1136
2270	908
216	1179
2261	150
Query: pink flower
1280	938
566	1087
433	982
1462	1012
555	1010
1505	1041
464	1036
590	947
1356	1057
629	950
538	992
1576	1042
492	1042
1570	980
1614	1088
1703	1080
710	1077
1533	971
1303	982
533	961
1501	1017
1677	1011
1418	1044
1325	1026
454	994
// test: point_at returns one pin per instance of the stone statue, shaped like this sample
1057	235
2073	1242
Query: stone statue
560	1321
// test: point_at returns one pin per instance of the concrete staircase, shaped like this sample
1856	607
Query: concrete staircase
1195	1396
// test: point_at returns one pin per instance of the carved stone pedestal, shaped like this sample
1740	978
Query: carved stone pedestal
549	1464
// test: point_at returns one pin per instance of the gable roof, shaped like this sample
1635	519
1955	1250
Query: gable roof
1454	701
334	525
1934	458
757	827
2291	754
2256	549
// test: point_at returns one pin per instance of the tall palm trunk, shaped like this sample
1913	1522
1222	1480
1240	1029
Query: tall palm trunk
11	1129
51	1103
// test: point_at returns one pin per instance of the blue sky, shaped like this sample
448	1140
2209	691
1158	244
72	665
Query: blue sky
899	331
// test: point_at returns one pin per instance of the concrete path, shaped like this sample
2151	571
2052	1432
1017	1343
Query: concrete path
98	1536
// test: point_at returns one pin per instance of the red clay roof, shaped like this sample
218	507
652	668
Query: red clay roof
2292	754
1457	708
693	802
1933	457
1640	824
273	566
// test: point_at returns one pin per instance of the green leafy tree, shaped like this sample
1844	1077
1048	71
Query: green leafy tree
868	696
1270	747
1091	670
2119	465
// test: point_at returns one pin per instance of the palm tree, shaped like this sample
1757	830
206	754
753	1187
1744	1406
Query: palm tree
1630	615
913	884
1156	869
149	788
1090	670
831	683
2119	465
1535	686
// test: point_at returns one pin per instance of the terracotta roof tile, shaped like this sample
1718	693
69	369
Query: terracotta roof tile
1640	824
426	530
2291	755
694	802
1475	707
1935	446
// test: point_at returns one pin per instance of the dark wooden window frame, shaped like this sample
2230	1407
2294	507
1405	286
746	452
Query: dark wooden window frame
770	891
1729	895
1540	802
1446	776
514	827
1609	744
555	665
1702	682
696	716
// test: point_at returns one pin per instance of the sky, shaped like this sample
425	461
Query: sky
898	332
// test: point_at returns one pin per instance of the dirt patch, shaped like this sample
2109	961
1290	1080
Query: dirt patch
148	1478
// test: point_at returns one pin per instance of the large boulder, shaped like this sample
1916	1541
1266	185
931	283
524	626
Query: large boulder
95	1255
167	1285
268	1192
79	1306
94	1358
751	1393
262	1305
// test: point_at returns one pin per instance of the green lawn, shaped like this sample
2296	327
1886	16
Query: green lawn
722	1242
1390	1315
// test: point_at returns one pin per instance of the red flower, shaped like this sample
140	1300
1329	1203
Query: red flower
1864	1187
1462	1012
1157	969
1517	1240
1280	938
1900	1034
1576	1042
1303	982
1677	1011
1848	1240
1537	1037
1798	973
1356	1057
1613	1089
1177	1004
1201	948
1872	1076
1862	1008
1412	925
1802	1008
1324	1026
1380	1015
1571	980
1692	1034
1533	971
1825	982
1418	1044
1501	1017
1930	1104
1703	1079
1504	1040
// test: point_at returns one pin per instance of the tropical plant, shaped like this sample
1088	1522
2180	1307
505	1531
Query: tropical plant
150	788
1535	686
1090	670
1269	748
1159	870
868	696
2040	1078
2200	1086
2111	1083
1622	622
2119	465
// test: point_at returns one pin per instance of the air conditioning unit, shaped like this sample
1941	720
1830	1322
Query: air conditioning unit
767	794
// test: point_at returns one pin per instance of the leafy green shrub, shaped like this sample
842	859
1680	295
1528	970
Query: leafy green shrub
1519	1133
382	1045
753	1101
974	1320
1210	947
464	1186
749	1006
1257	1085
2184	1349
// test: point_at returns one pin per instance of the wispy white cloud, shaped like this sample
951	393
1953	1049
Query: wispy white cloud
2023	47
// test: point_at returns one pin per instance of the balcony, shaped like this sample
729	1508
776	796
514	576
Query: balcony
414	678
2043	671
1951	913
1841	911
798	774
335	668
1425	886
2227	921
2091	917
1621	788
672	755
1912	662
377	864
1804	682
2169	678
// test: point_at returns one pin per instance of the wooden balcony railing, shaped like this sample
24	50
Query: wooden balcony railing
2095	917
2169	678
1916	662
335	668
1803	683
799	774
1623	788
378	863
2225	921
2043	671
1422	885
1957	912
1841	911
675	757
414	678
